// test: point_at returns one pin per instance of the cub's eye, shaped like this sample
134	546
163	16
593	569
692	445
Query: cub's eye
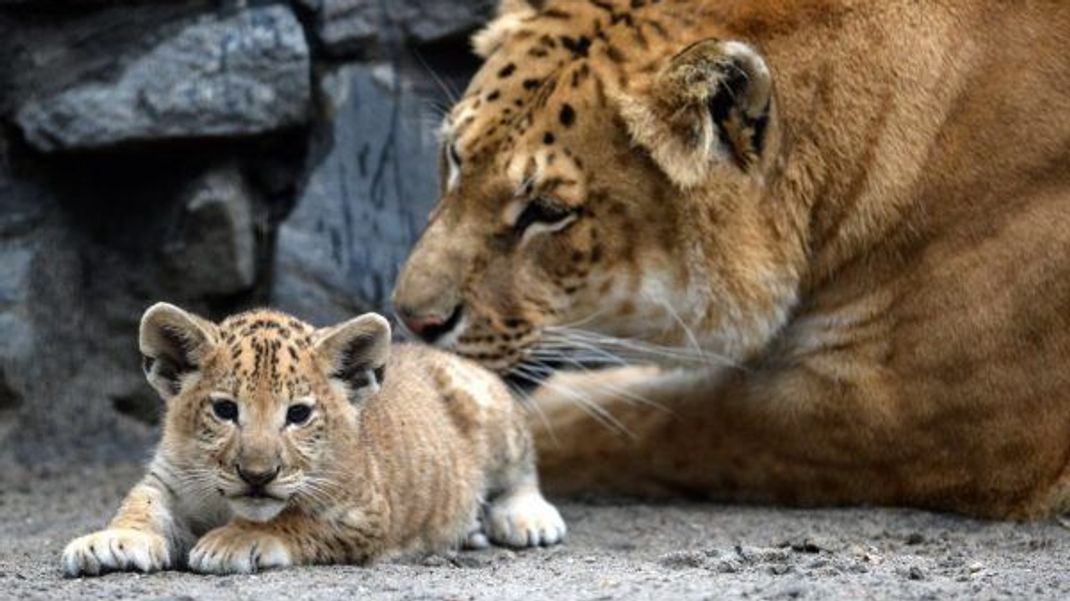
548	214
298	413
225	410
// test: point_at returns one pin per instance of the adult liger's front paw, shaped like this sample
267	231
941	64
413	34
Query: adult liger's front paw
524	520
230	550
116	549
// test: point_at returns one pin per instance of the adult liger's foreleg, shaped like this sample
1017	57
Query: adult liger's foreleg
144	536
790	436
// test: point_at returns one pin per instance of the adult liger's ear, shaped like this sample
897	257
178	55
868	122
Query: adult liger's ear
355	353
510	16
710	105
173	343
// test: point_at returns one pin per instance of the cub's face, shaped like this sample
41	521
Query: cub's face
258	405
584	173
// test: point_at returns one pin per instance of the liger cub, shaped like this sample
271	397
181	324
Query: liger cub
285	445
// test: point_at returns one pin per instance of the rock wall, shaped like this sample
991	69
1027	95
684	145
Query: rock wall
214	154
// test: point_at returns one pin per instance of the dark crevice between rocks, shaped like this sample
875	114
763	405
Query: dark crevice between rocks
9	400
9	407
451	57
145	410
128	198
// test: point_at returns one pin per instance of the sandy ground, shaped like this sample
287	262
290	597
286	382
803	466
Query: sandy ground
614	551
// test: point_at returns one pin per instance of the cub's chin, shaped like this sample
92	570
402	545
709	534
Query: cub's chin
256	509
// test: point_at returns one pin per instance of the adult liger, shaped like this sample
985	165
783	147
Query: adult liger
854	216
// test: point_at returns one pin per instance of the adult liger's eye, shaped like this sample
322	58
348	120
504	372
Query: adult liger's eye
541	211
225	410
298	413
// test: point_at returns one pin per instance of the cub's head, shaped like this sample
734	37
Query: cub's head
604	170
258	404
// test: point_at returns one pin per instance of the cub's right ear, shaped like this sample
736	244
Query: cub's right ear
173	344
355	353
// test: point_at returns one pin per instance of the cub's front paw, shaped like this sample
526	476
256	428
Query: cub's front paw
524	520
116	549
230	550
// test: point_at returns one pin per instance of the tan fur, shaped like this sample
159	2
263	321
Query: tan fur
888	264
372	473
511	15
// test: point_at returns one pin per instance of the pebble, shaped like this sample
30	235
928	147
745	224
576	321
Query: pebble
761	554
682	559
434	561
806	546
780	569
469	560
728	566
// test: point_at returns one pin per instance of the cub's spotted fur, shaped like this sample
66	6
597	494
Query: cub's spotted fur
287	445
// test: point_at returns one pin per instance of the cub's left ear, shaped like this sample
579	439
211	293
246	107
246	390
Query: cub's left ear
356	353
710	105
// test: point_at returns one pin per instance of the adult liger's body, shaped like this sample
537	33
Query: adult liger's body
863	206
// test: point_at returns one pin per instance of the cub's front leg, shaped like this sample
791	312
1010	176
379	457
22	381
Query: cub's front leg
292	538
143	536
242	547
519	516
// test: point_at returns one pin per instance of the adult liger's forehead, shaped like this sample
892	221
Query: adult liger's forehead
496	120
584	51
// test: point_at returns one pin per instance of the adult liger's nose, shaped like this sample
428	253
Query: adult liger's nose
430	327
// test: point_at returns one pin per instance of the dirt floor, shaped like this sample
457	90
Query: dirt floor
613	552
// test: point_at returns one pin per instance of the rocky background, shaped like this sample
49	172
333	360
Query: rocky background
215	154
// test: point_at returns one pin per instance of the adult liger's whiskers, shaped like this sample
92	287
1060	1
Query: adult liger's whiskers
543	358
638	350
530	404
536	375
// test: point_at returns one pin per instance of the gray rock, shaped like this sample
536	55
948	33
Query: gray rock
364	204
245	74
19	216
16	259
348	26
433	20
14	269
16	334
213	250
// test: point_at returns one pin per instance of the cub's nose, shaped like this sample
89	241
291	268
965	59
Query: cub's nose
430	327
258	478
